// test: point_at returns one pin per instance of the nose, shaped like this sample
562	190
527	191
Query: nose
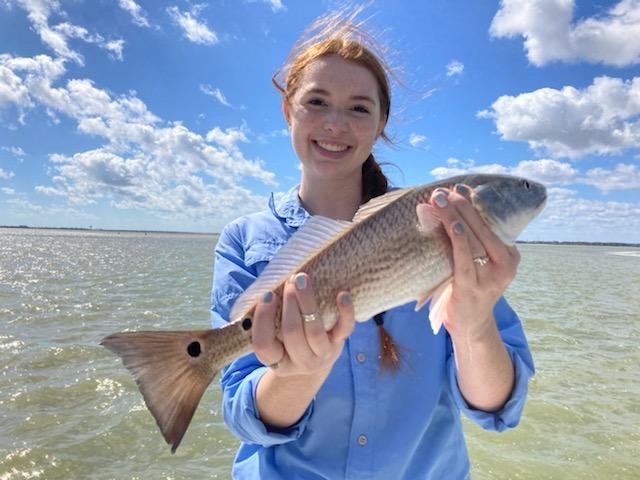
335	121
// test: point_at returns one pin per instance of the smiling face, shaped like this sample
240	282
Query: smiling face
335	117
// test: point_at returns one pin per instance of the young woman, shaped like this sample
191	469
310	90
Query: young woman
316	404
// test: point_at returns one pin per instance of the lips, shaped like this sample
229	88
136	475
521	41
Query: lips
332	147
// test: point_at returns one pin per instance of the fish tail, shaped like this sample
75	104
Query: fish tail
172	370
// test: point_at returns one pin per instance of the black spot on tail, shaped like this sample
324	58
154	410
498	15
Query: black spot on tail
194	350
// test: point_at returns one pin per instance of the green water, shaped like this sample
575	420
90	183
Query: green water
69	410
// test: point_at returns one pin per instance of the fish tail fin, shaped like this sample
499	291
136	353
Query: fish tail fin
172	370
437	308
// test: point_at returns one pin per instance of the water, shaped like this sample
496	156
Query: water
69	410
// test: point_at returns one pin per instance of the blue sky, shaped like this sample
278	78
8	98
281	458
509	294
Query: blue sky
160	115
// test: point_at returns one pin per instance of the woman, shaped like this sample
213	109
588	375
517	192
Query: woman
316	404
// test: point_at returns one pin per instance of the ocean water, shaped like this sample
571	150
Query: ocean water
70	410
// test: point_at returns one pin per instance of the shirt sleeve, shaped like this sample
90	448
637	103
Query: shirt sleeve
238	381
516	343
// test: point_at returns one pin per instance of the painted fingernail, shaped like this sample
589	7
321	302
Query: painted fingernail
458	228
346	299
301	281
440	199
267	297
463	190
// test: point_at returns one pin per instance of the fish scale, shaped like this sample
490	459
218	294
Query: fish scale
394	252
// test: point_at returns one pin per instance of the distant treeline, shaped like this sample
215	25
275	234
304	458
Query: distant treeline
593	244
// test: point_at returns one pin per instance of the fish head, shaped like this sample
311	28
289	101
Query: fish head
506	203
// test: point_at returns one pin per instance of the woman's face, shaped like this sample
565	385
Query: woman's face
334	118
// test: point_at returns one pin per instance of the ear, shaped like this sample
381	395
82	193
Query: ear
286	112
381	125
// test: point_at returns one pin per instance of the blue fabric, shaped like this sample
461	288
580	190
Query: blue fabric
410	418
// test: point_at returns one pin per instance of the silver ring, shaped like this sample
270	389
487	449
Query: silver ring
481	260
310	317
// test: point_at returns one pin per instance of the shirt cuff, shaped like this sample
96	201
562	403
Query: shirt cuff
242	418
509	415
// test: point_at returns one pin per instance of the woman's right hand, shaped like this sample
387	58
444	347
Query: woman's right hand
302	347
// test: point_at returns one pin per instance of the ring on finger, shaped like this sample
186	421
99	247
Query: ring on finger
310	317
481	260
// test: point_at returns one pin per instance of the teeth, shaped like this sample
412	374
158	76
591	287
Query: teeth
332	147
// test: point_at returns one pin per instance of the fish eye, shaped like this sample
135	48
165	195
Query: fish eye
526	184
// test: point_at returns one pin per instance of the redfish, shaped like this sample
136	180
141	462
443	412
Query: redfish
394	251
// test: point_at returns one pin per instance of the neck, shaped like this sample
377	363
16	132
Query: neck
337	199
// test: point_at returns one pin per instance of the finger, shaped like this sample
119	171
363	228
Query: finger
312	323
464	272
266	346
492	244
292	331
346	318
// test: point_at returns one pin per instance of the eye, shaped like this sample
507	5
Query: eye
526	184
360	109
316	101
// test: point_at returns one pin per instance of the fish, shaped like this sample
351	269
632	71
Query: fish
394	251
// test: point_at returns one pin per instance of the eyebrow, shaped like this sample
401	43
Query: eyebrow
360	98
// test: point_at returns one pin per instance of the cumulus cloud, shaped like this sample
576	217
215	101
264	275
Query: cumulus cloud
55	37
549	34
145	163
552	172
17	152
454	68
415	139
136	12
215	93
600	119
5	175
276	5
193	28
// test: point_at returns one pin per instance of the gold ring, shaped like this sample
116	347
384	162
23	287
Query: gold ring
481	260
310	317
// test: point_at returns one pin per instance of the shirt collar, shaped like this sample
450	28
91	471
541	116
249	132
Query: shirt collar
288	208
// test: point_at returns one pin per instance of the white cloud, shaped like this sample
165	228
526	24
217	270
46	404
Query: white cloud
195	30
39	11
145	163
415	139
623	177
552	172
276	5
215	93
600	119
17	152
136	12
8	191
5	175
454	68
546	25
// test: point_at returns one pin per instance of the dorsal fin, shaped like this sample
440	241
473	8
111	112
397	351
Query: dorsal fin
309	239
378	203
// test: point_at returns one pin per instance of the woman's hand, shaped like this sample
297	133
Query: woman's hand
483	266
302	347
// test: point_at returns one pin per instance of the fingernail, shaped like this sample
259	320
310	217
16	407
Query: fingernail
301	281
346	299
267	297
458	228
463	190
440	199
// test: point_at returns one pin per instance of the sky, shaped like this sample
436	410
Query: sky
161	115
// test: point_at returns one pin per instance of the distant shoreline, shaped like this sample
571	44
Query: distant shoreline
106	230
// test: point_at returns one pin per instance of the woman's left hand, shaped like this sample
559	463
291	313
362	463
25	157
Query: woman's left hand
483	266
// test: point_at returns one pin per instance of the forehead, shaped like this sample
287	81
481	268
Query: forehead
339	76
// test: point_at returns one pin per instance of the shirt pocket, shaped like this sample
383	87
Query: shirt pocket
259	254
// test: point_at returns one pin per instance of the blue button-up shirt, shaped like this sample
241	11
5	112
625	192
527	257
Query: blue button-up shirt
364	422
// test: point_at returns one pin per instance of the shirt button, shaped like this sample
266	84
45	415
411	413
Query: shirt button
361	357
362	440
